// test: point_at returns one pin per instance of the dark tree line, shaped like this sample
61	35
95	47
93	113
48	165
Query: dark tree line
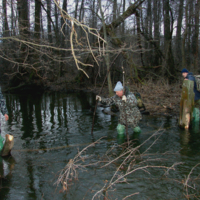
44	41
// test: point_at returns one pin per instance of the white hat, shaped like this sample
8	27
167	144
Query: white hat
118	86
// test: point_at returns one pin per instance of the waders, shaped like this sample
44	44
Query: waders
121	129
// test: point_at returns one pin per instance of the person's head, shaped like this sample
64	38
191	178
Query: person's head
184	72
119	89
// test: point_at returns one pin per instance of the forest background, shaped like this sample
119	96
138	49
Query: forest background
63	45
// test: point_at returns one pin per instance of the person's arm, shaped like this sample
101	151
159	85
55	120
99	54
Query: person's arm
3	108
107	101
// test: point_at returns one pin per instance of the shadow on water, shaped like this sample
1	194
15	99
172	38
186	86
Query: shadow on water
7	165
51	128
190	140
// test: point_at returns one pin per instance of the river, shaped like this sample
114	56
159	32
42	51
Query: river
49	129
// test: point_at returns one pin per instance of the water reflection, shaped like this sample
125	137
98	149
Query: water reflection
6	167
42	115
190	140
121	138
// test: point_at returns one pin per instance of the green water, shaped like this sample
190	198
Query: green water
51	128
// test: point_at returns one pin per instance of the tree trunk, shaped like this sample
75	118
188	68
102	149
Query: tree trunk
58	41
139	43
24	32
196	36
106	56
124	23
168	65
6	32
63	25
76	10
184	36
5	21
37	19
49	21
114	12
156	39
23	18
63	36
178	34
13	20
81	11
81	18
189	59
56	24
94	19
148	31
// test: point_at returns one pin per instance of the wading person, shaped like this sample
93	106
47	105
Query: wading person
3	106
127	104
189	76
4	112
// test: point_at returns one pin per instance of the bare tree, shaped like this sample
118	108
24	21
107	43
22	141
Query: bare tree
156	26
196	36
106	55
13	19
49	21
184	36
5	20
37	29
168	65
178	33
71	33
23	18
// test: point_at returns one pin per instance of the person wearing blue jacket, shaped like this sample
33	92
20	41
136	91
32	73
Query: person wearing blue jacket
189	76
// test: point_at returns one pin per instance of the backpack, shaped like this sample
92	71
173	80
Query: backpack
197	80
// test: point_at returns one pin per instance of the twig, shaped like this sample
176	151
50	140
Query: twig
188	177
69	173
127	136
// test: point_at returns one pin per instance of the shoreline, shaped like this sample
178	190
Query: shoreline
162	100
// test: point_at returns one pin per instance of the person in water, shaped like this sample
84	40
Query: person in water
3	108
189	76
196	110
127	103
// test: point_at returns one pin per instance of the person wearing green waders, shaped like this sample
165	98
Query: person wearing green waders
127	103
4	112
189	76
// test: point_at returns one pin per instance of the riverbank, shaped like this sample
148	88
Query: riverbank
159	98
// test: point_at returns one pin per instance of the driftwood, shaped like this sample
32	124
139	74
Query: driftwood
7	145
186	104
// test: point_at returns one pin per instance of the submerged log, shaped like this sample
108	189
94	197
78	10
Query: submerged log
186	104
7	145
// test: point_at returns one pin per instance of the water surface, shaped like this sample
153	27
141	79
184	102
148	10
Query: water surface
51	128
